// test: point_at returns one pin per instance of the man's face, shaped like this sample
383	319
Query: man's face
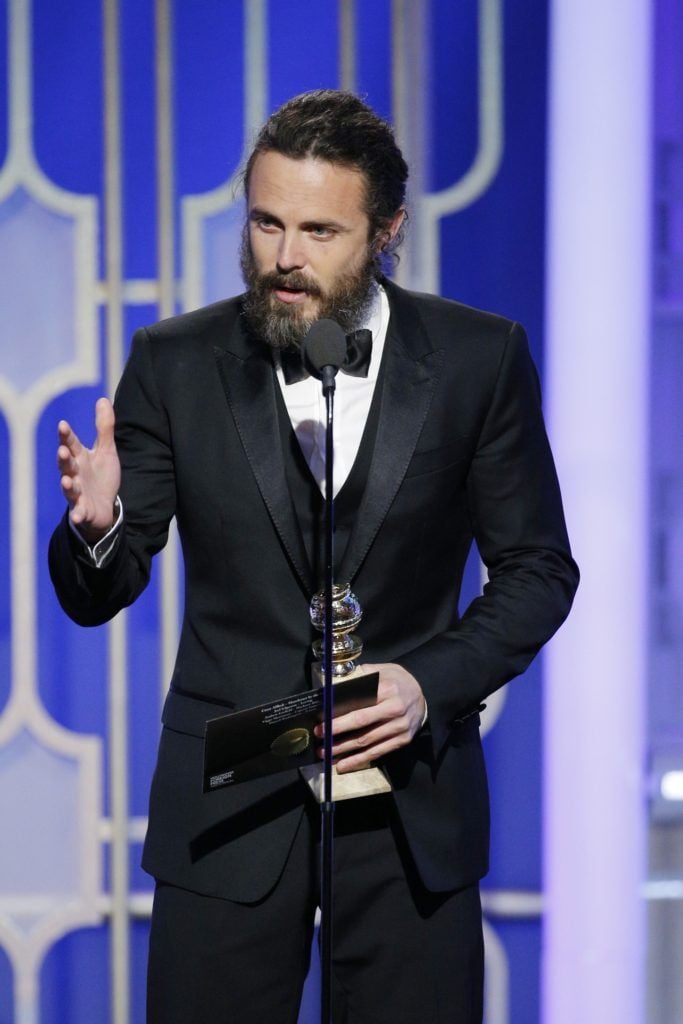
306	252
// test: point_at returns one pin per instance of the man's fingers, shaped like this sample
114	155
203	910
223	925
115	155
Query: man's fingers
71	488
72	492
359	761
104	423
365	739
64	459
68	438
364	718
353	721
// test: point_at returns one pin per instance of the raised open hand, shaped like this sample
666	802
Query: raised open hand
90	477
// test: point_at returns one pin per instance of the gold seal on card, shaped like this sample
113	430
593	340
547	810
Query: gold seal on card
291	743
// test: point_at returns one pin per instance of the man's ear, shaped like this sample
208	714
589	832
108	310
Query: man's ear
396	223
387	233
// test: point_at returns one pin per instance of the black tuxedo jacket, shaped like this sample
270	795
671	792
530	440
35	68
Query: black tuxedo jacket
460	452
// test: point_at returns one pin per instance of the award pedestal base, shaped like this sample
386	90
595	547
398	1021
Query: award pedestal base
364	782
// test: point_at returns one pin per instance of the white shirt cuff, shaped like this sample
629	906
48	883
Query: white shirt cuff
99	554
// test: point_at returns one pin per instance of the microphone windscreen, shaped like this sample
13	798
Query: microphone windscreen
324	345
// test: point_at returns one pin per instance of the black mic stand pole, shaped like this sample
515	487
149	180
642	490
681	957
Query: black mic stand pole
327	806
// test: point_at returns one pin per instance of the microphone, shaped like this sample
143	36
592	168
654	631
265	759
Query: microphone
324	351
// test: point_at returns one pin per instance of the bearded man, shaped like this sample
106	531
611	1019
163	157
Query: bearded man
439	440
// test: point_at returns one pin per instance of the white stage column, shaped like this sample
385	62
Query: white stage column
597	378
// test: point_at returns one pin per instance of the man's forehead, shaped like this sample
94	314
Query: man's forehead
308	181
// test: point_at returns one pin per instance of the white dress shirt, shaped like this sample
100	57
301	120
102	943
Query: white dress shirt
352	398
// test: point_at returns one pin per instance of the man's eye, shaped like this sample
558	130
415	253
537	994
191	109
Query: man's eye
266	224
321	231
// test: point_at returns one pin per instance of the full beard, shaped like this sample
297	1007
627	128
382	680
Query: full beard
347	302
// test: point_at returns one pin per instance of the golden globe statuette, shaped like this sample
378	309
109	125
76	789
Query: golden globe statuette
346	649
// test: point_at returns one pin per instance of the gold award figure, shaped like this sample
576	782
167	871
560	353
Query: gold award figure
346	649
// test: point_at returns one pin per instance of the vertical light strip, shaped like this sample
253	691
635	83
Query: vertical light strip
118	697
22	422
256	68
347	45
165	157
399	85
597	383
410	87
167	299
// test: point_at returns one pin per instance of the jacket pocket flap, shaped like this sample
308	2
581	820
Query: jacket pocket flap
187	714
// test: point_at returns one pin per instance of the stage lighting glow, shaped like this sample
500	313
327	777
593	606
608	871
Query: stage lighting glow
597	379
671	785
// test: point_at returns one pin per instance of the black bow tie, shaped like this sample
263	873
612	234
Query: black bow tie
356	363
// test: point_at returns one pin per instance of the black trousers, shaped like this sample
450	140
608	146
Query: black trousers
402	955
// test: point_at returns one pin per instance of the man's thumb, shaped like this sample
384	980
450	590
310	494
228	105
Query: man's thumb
104	423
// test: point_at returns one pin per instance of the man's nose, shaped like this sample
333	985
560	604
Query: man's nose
290	255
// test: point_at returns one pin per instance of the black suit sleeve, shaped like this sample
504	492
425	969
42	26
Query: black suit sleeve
518	525
91	596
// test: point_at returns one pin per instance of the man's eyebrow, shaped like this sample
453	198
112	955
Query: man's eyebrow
257	213
333	224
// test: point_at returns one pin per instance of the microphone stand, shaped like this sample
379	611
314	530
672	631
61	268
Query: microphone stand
327	806
324	350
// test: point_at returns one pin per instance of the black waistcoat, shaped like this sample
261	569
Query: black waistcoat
309	503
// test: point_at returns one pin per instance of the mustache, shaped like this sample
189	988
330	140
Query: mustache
294	280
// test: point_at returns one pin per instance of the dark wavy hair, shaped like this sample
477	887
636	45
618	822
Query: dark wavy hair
338	127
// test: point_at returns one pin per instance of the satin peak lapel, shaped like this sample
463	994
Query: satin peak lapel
249	386
411	372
